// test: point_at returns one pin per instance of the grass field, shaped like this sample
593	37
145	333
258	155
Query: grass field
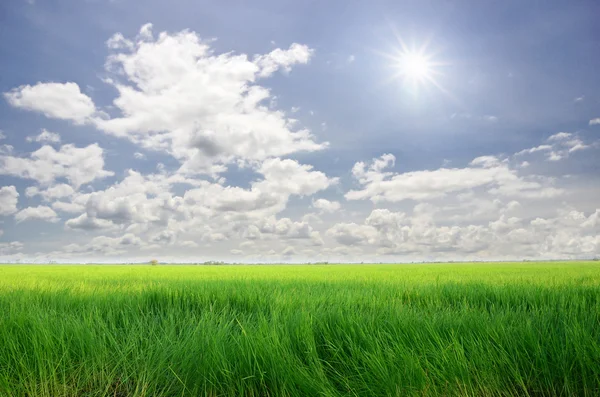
338	330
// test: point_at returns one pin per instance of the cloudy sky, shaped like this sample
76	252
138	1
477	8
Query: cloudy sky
299	131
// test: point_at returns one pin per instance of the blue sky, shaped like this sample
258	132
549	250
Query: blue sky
292	131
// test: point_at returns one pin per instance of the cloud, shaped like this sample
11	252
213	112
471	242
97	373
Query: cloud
560	136
351	59
54	192
2	136
569	234
559	147
326	205
106	245
595	121
139	156
9	198
36	213
534	150
283	59
352	233
44	136
10	248
55	100
47	165
211	211
84	222
487	172
176	95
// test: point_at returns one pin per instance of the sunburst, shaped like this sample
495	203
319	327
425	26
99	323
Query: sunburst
416	66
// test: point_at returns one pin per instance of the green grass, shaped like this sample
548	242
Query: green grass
339	330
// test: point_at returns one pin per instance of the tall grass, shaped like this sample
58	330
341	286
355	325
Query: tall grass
376	330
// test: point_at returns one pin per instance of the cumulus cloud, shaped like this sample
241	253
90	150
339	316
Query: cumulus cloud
326	205
8	200
41	212
45	136
84	222
569	234
54	192
488	172
177	95
106	245
282	59
595	121
47	165
55	100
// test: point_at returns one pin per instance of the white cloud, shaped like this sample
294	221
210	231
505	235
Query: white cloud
55	100
84	222
282	59
595	121
36	213
560	136
9	198
487	172
569	234
352	233
351	59
54	192
209	211
145	33
47	165
45	136
326	205
534	150
205	109
139	156
2	136
560	146
106	245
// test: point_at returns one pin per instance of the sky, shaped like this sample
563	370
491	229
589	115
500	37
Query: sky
280	131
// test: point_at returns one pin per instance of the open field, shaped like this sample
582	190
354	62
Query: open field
374	330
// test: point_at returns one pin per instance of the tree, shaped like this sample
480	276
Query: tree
154	262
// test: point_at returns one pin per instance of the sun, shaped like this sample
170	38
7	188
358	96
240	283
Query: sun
415	67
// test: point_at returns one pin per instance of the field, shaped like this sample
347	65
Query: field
504	329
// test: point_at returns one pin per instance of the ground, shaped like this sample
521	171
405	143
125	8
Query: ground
300	330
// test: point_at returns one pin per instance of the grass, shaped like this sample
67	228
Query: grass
509	329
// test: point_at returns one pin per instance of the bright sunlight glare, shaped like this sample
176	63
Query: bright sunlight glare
415	66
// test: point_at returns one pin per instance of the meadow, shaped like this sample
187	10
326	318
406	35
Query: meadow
485	329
